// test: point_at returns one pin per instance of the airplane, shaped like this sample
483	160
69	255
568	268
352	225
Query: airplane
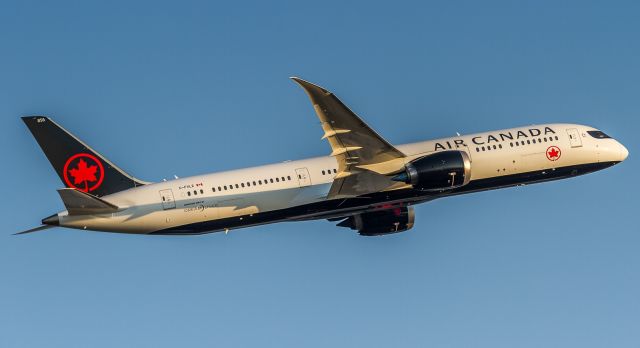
365	183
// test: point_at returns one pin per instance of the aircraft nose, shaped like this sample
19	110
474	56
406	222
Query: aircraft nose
623	153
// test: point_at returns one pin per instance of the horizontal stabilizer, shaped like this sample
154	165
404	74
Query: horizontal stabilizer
82	203
35	229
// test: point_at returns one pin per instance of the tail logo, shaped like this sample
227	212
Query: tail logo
86	171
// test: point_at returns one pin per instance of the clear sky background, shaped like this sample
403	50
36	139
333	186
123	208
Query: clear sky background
164	88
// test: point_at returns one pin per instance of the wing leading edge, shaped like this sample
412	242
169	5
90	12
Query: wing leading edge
364	157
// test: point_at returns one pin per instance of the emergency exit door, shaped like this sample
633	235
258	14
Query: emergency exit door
574	137
303	177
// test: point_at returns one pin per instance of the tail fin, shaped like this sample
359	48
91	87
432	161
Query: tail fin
78	165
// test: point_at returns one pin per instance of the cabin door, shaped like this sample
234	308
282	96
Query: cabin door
574	137
303	177
167	199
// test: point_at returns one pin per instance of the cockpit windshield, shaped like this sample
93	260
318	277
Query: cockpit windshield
598	134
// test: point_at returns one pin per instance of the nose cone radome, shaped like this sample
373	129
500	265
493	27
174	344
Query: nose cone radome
610	150
623	153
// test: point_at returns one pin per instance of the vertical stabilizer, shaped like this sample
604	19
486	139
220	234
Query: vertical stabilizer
78	165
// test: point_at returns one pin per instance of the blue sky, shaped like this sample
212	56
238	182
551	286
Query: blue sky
164	88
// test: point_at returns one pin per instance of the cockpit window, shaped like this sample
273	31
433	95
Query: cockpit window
598	134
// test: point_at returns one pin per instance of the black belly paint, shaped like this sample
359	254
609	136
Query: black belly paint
344	207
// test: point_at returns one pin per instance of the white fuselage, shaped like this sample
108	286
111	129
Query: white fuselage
235	196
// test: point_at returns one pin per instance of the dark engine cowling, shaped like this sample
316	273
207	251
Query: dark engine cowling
438	172
377	223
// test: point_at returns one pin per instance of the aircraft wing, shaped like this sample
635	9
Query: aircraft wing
364	157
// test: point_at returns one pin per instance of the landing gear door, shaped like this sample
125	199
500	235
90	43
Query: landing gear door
167	199
574	137
303	177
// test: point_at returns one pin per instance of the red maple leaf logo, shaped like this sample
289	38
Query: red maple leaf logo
84	173
553	153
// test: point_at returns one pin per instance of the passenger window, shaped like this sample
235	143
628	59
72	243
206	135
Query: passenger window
242	184
213	189
219	188
225	187
254	183
277	180
494	147
323	172
201	191
500	145
195	192
556	137
271	180
237	186
189	193
477	149
289	177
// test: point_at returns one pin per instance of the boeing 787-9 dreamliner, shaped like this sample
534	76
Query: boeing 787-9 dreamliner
365	183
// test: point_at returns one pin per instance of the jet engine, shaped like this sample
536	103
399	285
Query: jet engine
439	171
377	223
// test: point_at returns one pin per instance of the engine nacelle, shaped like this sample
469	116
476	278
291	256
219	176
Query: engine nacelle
377	223
438	172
